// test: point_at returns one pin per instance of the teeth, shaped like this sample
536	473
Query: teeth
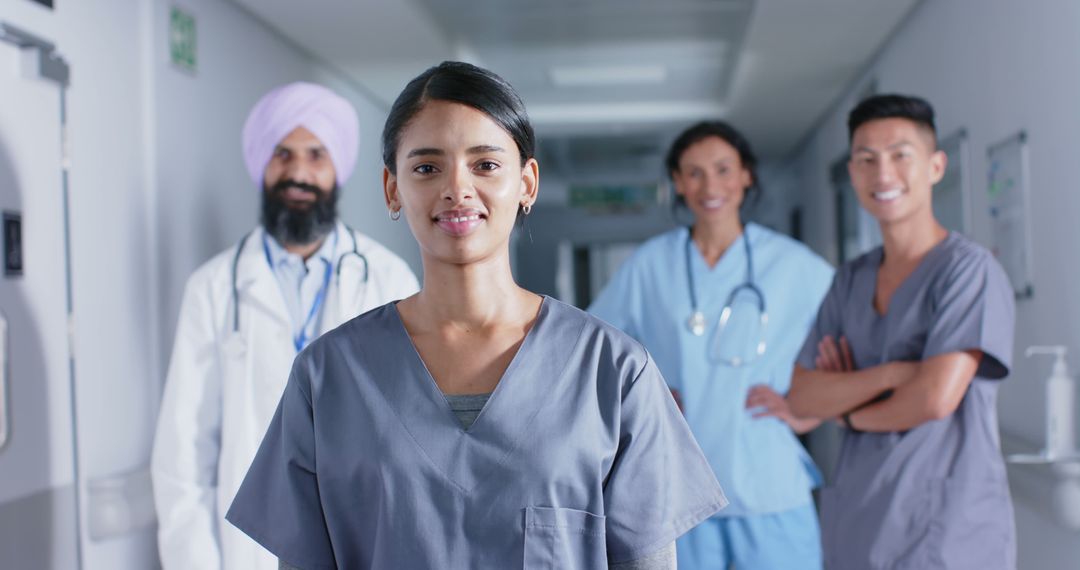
465	219
890	195
713	203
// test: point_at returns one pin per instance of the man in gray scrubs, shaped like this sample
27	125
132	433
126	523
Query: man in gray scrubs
907	353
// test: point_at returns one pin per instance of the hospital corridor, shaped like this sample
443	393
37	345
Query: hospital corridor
563	284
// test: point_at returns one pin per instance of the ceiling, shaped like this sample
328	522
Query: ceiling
603	76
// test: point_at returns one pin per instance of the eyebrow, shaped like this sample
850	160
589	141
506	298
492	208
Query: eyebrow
478	149
893	146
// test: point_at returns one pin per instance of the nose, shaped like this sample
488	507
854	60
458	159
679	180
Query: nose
886	171
459	187
714	183
299	170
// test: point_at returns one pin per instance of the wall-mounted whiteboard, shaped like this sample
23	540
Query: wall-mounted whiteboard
1008	194
952	197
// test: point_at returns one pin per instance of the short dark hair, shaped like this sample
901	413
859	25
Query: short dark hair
892	106
725	132
466	84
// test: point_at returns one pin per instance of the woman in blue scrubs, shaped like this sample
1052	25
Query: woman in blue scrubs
474	424
723	307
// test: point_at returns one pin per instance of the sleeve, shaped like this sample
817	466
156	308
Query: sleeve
973	308
187	443
660	484
278	504
617	302
827	322
663	559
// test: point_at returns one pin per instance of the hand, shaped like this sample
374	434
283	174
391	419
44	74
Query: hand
771	404
833	357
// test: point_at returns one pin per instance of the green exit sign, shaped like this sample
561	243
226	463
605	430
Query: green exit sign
182	39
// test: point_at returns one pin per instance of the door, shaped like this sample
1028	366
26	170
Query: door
38	513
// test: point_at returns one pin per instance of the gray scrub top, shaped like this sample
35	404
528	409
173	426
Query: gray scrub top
934	496
579	458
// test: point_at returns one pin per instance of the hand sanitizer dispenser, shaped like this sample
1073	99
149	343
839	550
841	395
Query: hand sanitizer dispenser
1060	403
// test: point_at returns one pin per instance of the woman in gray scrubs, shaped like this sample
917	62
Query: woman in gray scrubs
474	424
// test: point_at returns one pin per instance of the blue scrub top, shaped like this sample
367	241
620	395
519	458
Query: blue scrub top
760	462
578	459
935	496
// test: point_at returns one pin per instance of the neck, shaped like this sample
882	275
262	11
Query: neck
908	241
712	240
306	250
472	296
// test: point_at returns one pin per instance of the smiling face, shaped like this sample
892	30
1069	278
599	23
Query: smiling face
712	179
894	166
299	204
460	182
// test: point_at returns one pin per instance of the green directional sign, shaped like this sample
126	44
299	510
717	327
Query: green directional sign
613	197
182	45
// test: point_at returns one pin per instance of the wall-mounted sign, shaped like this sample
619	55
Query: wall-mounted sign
182	40
614	197
1008	193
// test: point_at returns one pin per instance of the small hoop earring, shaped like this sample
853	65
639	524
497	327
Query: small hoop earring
395	215
526	208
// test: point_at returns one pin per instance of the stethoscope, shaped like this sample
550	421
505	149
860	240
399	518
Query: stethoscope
300	340
696	322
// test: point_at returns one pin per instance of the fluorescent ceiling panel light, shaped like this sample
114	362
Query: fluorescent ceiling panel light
625	113
607	75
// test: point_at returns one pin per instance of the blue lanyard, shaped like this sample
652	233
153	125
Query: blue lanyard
300	340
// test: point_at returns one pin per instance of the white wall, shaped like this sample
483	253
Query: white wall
993	67
157	187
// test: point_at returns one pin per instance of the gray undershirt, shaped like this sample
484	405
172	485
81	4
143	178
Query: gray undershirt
466	408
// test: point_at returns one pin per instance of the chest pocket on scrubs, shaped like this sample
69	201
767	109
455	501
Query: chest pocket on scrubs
565	539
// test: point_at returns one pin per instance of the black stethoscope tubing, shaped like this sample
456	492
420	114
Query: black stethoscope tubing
337	270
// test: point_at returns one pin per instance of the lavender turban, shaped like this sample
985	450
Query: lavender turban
326	114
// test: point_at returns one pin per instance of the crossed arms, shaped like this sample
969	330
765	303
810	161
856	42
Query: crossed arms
921	391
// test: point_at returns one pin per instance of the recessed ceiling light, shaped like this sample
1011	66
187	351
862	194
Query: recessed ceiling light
606	75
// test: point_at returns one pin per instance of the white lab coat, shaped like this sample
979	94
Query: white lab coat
223	387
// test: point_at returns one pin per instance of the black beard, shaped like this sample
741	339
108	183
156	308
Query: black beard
295	226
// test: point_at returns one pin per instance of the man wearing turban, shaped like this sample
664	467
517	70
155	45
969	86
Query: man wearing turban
247	312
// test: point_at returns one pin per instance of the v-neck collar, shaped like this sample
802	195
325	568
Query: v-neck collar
879	258
727	258
429	380
463	456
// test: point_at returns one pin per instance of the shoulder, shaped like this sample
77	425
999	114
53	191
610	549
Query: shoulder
788	249
351	337
611	346
662	244
217	269
845	274
378	320
658	247
962	258
959	249
866	261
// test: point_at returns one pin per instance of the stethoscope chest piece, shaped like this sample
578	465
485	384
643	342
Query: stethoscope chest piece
696	323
